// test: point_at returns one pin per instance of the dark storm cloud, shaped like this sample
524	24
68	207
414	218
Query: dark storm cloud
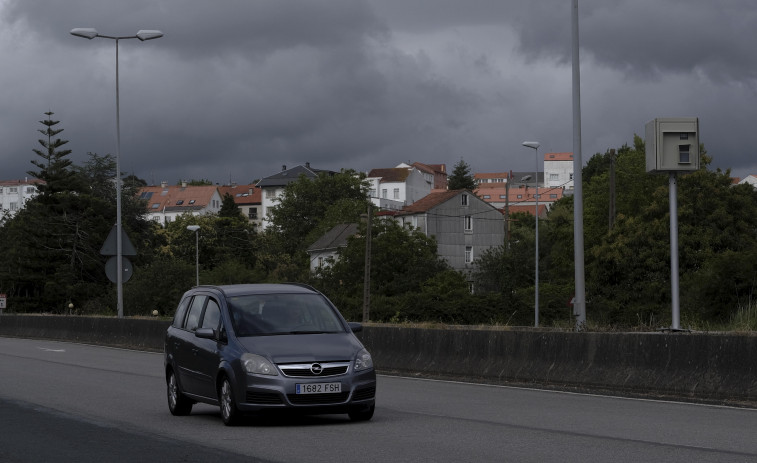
235	89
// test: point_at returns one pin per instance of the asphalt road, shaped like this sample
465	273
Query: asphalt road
63	402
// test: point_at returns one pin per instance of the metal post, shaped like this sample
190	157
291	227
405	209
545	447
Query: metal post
673	196
367	270
536	214
197	257
119	232
579	304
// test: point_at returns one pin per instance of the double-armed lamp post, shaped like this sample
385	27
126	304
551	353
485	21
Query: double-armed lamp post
535	146
90	33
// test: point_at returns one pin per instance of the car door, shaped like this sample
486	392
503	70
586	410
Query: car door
206	353
186	347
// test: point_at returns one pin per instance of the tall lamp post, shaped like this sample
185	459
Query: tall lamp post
535	146
196	229
90	33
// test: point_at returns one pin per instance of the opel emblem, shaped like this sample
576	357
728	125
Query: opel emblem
316	369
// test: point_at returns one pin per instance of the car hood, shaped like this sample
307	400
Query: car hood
295	348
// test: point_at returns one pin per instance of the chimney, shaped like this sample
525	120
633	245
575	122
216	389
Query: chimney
307	164
183	183
283	168
164	184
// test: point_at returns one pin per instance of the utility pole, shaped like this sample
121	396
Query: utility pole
612	189
507	210
367	272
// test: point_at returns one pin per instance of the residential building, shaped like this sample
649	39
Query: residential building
15	193
396	187
558	170
519	195
749	180
248	200
272	187
463	225
326	248
436	174
166	202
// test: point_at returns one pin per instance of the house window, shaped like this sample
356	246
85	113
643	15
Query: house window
270	194
372	193
553	195
253	213
396	193
154	206
464	199
383	193
30	190
502	196
1	189
487	197
13	189
14	207
554	177
191	201
684	136
178	203
468	254
468	223
520	196
320	262
684	155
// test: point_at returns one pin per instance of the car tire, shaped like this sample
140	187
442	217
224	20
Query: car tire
361	413
178	403
229	411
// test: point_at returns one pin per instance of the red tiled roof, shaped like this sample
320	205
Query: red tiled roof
176	197
558	157
429	201
242	194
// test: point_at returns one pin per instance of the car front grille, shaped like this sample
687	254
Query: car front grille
305	370
318	399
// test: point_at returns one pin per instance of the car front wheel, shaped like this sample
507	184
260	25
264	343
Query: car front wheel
229	411
178	403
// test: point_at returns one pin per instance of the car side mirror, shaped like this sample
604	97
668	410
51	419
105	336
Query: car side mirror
355	327
205	333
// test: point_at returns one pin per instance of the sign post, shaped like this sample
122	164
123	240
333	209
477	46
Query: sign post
2	302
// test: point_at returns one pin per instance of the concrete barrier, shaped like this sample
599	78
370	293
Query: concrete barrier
715	368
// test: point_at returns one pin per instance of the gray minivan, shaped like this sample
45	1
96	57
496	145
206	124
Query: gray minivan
263	347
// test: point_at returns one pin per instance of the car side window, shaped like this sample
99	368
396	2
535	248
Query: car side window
212	315
195	310
181	312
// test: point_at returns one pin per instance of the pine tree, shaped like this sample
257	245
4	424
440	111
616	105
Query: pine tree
461	178
54	168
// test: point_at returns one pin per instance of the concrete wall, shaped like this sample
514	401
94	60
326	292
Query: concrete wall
701	367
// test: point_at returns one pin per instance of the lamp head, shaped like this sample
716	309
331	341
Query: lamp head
193	228
531	144
86	32
149	35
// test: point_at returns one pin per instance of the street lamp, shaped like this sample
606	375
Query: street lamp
196	229
90	33
535	146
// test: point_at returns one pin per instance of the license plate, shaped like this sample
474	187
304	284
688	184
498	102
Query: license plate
318	388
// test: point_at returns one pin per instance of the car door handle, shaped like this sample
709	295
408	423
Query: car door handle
195	351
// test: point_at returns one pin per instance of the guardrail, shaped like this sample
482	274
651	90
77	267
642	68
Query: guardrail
715	368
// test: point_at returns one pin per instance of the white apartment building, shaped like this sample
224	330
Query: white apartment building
15	193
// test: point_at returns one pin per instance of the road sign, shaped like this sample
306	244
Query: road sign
2	302
110	245
111	266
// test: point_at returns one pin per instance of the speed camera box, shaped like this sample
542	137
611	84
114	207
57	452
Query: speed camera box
672	144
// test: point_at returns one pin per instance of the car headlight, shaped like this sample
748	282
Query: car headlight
363	361
258	365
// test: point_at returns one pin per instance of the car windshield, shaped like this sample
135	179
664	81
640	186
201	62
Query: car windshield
273	314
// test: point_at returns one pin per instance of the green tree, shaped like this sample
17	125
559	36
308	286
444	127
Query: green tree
461	177
401	261
229	208
54	167
310	207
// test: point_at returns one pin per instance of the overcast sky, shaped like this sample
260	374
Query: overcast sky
237	88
